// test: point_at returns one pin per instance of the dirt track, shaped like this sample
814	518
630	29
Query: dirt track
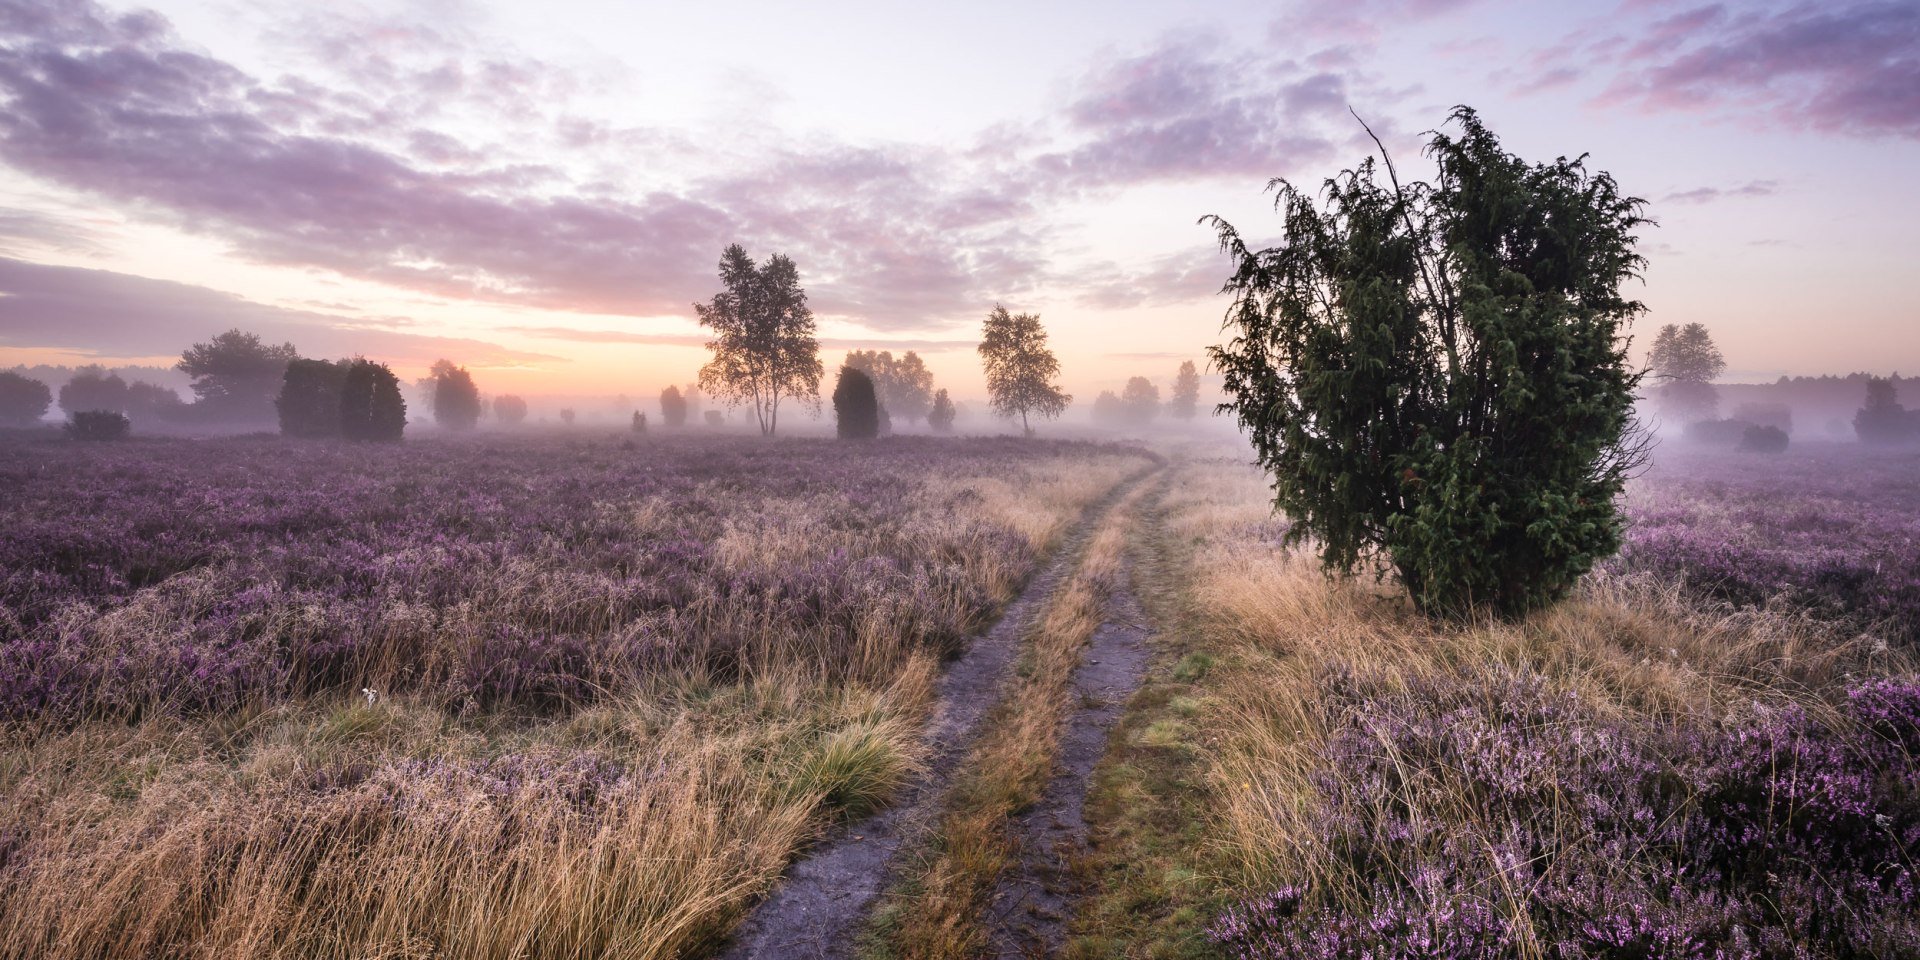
817	909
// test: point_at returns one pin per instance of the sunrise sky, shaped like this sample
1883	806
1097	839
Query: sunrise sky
541	190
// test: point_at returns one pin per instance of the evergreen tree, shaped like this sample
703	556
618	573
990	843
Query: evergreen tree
856	405
371	407
309	400
673	408
1436	376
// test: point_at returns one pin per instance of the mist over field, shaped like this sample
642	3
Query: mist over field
1354	481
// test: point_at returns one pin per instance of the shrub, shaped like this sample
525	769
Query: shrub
639	422
673	408
309	400
1719	433
93	388
566	416
371	407
23	401
1763	439
856	408
99	425
1467	395
715	418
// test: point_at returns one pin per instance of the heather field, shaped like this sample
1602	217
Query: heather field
494	698
590	696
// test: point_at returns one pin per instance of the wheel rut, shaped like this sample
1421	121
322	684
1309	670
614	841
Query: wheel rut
817	908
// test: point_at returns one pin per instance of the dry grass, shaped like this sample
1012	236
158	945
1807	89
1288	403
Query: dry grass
1635	649
331	826
940	908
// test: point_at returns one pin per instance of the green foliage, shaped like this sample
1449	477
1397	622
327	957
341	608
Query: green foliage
1436	376
764	348
673	407
99	425
371	407
1020	368
309	400
236	376
23	400
1186	392
456	399
856	405
1883	419
940	418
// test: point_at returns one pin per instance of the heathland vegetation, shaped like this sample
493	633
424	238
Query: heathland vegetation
1439	660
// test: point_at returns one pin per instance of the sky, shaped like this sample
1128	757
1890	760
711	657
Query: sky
541	191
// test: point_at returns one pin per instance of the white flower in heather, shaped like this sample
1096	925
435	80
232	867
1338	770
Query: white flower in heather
370	694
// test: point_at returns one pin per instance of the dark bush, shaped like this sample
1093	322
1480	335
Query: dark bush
99	425
371	407
23	401
673	408
639	422
1763	439
566	416
93	388
1460	411
1719	433
715	418
856	407
309	400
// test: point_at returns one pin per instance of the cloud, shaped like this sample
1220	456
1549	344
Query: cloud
347	173
1186	277
41	230
1182	111
1753	188
89	310
701	339
1357	20
1845	67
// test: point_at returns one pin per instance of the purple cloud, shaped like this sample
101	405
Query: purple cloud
1848	67
89	310
1181	111
1754	188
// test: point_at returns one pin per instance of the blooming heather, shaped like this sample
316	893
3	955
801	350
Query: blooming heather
1492	814
195	576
